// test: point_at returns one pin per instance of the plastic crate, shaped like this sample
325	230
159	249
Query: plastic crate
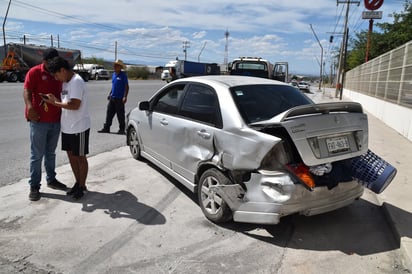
372	171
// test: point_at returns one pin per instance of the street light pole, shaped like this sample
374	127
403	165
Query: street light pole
4	32
198	57
321	58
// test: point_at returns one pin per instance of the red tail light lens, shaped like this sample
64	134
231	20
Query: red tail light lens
302	172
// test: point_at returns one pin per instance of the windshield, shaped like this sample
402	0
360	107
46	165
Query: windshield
261	102
250	65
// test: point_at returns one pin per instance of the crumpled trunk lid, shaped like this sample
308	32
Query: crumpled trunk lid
324	133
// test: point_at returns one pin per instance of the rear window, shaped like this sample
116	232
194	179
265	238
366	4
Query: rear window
251	65
261	102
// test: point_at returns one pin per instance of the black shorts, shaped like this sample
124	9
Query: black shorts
77	143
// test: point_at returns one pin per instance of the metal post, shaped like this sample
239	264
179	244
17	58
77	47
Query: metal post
4	32
185	46
339	82
368	43
344	63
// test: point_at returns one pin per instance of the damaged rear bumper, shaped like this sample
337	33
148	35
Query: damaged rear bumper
273	195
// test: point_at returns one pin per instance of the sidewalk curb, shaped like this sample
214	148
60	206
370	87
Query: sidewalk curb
404	244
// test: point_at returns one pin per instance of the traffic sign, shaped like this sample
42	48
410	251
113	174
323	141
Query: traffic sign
371	15
373	4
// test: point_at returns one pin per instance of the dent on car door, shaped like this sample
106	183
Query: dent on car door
157	128
195	130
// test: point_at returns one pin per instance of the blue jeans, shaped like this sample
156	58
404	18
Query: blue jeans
43	138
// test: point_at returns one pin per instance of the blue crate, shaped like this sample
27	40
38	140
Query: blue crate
372	171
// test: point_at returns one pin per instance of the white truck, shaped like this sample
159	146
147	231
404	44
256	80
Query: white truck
259	67
95	71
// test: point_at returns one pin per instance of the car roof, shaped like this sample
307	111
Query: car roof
231	80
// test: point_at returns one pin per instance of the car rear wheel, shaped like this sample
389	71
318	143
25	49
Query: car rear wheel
134	145
211	203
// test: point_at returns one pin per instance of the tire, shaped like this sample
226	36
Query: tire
133	142
213	206
12	77
22	76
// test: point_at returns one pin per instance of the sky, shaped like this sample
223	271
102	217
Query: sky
155	32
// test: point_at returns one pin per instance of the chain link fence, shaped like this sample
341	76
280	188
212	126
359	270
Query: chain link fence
387	77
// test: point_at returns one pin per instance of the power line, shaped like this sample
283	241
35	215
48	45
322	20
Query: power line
61	15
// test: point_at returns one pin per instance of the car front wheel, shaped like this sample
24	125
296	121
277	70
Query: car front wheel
134	145
211	203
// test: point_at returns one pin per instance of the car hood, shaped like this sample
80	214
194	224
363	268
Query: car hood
323	133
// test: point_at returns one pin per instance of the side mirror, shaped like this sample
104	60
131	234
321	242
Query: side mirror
145	105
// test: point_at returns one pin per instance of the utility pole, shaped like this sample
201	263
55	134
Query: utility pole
115	51
185	46
226	48
342	55
344	62
321	58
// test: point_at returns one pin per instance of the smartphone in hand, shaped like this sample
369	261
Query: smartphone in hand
44	96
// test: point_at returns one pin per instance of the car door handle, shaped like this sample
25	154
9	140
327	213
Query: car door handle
202	133
164	122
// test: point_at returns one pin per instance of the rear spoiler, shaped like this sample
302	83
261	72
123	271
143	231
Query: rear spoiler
322	108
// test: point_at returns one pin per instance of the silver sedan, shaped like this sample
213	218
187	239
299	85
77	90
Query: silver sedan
253	149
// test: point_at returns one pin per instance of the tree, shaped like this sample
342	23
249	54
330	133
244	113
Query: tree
390	36
400	32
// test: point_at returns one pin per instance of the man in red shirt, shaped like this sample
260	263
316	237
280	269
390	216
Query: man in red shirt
44	122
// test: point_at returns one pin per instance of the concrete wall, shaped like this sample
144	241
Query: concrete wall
397	117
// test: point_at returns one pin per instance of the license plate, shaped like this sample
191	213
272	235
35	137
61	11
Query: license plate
337	144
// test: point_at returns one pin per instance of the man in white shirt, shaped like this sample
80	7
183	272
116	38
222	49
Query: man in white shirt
75	120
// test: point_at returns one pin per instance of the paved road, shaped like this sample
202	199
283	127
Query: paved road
135	219
14	136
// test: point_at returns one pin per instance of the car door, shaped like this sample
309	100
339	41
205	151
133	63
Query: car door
156	130
193	129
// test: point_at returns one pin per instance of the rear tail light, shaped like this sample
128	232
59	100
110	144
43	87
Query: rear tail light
302	172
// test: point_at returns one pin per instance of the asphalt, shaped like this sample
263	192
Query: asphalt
396	199
69	223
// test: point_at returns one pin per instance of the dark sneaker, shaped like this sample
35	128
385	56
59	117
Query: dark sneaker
34	194
104	130
56	185
78	193
73	189
121	132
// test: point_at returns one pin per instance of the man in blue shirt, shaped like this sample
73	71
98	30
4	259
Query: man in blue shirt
117	99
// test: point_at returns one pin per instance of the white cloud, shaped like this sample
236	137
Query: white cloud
153	31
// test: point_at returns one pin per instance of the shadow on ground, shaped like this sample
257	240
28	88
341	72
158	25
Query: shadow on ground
120	204
360	228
